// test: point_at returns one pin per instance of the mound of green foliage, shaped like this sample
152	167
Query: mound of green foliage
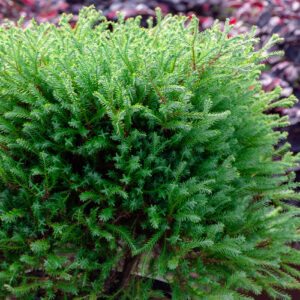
128	154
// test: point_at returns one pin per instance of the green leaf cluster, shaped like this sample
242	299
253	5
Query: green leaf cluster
129	154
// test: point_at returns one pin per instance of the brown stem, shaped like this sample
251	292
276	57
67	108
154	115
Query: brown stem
157	90
193	58
129	264
211	62
121	216
4	148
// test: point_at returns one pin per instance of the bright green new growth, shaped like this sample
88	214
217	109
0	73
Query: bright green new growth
141	151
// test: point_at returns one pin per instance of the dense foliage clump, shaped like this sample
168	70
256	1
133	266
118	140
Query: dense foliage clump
128	154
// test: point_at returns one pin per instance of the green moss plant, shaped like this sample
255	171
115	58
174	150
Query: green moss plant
130	154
